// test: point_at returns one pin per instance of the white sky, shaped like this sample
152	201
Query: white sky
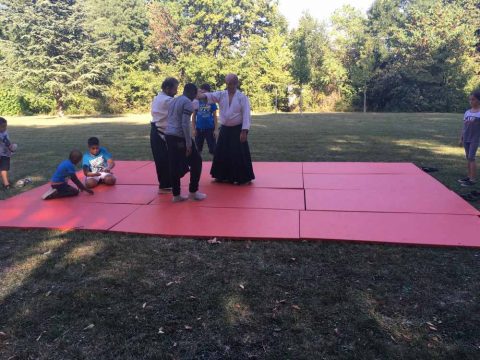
320	9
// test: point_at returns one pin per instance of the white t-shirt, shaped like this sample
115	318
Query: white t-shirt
159	112
235	113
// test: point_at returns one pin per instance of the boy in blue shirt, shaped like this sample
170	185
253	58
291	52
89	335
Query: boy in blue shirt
6	150
97	165
59	182
205	122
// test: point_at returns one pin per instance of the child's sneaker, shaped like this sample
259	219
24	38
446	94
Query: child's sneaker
463	180
197	196
49	193
6	187
179	198
165	191
468	183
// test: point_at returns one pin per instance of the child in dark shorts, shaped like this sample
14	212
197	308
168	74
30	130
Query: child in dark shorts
6	151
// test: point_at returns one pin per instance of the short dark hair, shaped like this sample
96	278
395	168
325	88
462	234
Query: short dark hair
3	121
476	94
169	83
190	89
93	141
206	87
75	155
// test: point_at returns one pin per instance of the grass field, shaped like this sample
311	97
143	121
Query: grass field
84	295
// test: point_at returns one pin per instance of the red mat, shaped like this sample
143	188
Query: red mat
65	216
359	168
245	197
400	201
425	229
391	203
192	221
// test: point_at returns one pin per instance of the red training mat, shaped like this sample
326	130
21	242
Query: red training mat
359	168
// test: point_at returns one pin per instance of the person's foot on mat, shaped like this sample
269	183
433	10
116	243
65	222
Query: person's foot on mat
463	180
48	194
163	191
197	196
179	198
468	183
6	187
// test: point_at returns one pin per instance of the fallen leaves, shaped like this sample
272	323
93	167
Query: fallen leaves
213	241
89	327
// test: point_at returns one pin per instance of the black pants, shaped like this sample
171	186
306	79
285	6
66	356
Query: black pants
160	156
178	161
63	190
208	135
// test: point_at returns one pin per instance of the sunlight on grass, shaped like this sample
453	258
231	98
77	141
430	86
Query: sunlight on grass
236	312
431	146
84	252
14	276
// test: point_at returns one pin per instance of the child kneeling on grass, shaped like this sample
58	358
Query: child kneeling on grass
471	138
59	182
181	147
97	165
6	150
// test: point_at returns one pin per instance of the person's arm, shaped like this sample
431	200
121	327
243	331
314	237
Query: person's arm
246	115
461	131
109	158
79	184
213	97
194	123
187	126
87	172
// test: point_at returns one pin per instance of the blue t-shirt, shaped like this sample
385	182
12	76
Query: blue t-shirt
96	163
65	170
204	119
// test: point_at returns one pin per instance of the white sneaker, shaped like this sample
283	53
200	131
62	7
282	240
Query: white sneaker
197	196
179	198
49	193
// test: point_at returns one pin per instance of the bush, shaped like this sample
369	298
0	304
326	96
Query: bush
11	103
81	104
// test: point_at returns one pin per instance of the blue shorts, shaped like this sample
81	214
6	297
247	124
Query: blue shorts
471	150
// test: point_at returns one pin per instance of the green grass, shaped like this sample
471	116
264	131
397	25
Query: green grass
151	298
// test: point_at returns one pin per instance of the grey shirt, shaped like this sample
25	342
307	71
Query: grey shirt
178	122
471	127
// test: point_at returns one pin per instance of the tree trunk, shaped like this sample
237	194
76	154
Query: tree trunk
365	99
60	104
301	99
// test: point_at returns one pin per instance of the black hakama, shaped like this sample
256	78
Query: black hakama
232	161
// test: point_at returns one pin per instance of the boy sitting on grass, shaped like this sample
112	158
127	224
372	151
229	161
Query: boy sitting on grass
97	165
59	182
6	150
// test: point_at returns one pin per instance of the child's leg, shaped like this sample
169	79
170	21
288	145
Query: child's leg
5	178
195	162
472	166
62	190
4	169
160	156
91	182
176	155
472	170
210	141
199	140
109	180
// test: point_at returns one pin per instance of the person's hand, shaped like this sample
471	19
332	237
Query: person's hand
96	174
460	143
90	191
216	132
189	151
243	136
194	132
107	170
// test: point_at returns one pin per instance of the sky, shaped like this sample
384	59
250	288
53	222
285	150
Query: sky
320	9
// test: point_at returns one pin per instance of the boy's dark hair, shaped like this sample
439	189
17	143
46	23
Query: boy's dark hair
206	87
190	89
93	141
75	155
169	83
3	121
476	94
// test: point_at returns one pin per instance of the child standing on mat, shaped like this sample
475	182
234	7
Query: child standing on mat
181	147
59	182
205	121
97	165
6	150
471	138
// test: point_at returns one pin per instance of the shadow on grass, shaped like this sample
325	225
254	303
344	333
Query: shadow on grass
95	295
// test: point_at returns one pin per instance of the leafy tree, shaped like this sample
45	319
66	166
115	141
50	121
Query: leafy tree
51	50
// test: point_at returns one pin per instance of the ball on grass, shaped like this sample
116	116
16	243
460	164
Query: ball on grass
13	147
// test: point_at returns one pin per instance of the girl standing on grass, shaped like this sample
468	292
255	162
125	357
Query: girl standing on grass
471	138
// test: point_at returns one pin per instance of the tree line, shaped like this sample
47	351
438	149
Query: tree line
110	56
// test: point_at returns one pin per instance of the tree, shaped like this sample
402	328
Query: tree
51	50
